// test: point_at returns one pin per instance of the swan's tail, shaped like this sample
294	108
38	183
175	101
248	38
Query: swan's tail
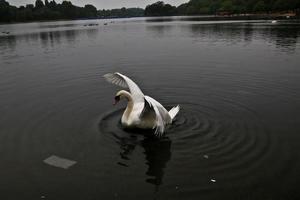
174	111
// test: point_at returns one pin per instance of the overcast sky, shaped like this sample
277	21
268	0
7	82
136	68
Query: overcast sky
100	4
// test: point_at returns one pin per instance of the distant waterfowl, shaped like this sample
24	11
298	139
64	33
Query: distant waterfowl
274	22
142	111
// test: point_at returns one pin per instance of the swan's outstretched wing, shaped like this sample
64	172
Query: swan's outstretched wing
123	81
162	115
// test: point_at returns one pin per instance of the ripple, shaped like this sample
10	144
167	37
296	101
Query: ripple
236	141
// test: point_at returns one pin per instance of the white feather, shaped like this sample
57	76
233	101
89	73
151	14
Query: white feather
162	116
174	111
125	82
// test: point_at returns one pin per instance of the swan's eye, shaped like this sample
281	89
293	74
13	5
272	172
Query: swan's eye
117	98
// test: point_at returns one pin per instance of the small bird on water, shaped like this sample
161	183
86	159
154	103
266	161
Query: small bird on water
142	111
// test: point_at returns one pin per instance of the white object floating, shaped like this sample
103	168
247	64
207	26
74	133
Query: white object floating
213	180
205	156
274	21
59	162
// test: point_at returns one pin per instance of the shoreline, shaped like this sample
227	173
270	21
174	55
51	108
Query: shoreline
198	17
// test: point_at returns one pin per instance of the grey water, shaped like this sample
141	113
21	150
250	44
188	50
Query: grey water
237	135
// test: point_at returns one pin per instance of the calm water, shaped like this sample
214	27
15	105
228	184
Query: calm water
236	137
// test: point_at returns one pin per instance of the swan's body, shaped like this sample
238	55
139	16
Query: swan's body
142	111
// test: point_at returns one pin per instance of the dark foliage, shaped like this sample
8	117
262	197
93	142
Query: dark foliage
195	7
122	12
45	11
50	10
160	9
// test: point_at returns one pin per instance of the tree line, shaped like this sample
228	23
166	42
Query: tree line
45	10
50	10
121	12
208	7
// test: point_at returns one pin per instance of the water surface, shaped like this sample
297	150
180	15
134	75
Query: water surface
236	136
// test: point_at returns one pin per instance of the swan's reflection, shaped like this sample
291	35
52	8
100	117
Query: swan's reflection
157	153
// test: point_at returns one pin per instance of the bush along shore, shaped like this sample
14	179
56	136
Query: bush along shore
221	9
273	8
50	10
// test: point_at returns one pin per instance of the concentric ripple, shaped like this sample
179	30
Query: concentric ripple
228	139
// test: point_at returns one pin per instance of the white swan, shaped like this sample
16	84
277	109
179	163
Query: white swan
142	111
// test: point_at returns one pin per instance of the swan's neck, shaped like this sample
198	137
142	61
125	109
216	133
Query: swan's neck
129	107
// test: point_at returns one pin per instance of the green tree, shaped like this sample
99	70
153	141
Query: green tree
160	9
46	3
39	4
52	5
260	7
4	11
90	11
227	6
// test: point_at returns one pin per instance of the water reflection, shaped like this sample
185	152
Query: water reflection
159	30
46	39
157	153
182	18
58	25
283	36
7	43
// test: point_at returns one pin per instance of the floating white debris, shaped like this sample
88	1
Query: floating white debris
59	162
213	180
205	156
274	22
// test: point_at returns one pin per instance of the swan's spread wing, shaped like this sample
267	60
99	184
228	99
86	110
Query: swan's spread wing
114	78
123	81
163	112
148	112
162	116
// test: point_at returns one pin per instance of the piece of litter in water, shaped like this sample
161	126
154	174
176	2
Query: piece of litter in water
205	156
176	187
59	162
213	180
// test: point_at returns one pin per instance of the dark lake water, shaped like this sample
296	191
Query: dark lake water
237	135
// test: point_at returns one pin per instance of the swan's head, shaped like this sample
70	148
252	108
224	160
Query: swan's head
122	95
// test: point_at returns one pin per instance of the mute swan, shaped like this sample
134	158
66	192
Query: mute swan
142	111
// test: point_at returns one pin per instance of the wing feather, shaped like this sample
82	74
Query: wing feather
160	123
163	112
125	82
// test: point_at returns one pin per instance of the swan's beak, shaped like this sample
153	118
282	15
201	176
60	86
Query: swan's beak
117	99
